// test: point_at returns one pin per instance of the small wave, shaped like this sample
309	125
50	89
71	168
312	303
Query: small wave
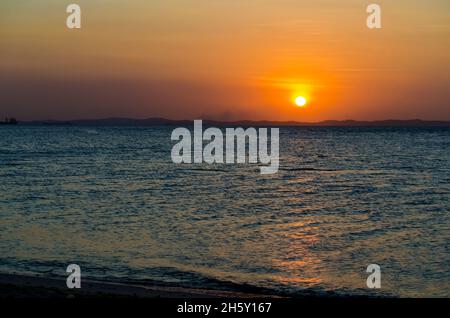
90	131
307	169
203	170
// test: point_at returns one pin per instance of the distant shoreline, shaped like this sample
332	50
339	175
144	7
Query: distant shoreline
170	122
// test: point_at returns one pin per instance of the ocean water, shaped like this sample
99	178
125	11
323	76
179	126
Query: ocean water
111	200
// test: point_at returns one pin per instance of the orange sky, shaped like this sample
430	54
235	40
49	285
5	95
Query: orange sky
225	59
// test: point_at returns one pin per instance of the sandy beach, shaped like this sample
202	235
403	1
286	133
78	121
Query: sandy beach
20	286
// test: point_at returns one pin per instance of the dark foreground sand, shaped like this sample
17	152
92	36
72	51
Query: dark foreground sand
19	286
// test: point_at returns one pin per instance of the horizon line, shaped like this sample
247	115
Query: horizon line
163	120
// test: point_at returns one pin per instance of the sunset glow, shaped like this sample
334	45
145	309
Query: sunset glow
153	59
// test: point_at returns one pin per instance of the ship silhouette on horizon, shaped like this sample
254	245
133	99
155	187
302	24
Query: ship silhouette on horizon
9	121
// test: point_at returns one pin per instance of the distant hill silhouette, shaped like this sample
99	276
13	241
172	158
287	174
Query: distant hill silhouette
164	121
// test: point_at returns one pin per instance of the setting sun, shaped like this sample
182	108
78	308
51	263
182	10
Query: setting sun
300	101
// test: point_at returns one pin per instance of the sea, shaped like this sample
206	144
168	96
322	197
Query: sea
110	199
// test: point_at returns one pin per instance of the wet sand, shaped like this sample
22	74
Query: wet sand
20	286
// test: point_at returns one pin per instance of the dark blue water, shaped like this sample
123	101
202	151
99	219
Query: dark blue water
111	200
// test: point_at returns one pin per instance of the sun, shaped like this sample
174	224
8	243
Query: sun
300	101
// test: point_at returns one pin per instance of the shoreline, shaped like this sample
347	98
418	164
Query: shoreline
23	286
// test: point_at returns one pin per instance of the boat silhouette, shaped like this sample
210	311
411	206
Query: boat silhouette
9	121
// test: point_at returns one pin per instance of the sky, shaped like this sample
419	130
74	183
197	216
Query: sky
225	60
